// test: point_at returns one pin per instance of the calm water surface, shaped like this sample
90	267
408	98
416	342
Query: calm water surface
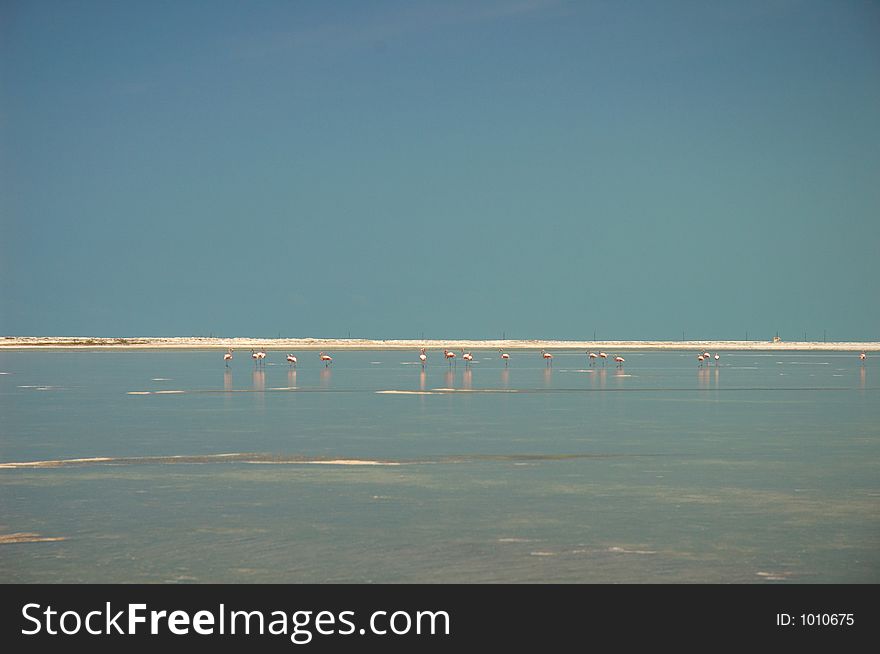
764	469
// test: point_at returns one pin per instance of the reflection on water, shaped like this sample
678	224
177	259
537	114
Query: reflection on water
708	377
505	378
227	380
548	376
862	377
259	386
449	379
423	379
703	377
325	375
291	377
467	378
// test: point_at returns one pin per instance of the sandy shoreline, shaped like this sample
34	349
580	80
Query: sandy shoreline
292	344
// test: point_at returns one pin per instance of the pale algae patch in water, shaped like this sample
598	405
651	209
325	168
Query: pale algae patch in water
741	477
25	537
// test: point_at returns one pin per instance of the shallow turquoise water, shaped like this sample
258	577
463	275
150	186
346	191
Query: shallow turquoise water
763	469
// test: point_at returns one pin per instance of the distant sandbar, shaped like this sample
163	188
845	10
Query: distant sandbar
291	344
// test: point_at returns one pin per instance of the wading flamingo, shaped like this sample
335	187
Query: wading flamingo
326	358
717	356
619	359
700	358
603	356
450	356
593	357
467	357
423	357
505	356
256	357
547	357
863	356
291	360
228	357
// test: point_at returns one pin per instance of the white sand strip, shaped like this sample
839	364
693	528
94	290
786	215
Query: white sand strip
407	393
27	537
55	463
198	459
238	343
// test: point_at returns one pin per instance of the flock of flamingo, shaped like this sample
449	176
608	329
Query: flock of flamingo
259	355
703	358
706	357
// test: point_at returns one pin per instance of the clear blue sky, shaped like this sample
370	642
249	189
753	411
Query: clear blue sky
538	168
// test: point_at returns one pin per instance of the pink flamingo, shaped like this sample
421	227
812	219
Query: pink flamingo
256	357
467	357
619	359
291	360
717	357
547	357
505	356
450	356
593	357
423	357
326	358
700	358
707	356
228	357
863	357
603	356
